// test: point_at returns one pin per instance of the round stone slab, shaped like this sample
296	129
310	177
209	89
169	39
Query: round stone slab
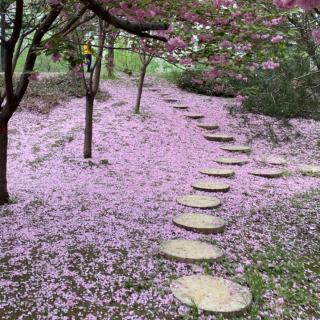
190	250
218	172
237	148
232	161
218	137
268	173
208	126
312	171
194	115
181	107
273	160
196	201
212	294
201	223
211	186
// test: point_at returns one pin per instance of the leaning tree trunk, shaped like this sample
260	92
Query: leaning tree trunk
4	195
87	150
140	88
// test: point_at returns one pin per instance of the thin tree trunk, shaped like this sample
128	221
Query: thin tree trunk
87	150
4	195
3	35
110	64
140	88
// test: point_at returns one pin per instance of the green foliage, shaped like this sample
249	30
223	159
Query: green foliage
193	81
289	91
43	64
173	75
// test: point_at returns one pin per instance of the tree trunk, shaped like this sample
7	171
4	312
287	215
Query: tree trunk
140	88
87	150
2	35
4	196
110	62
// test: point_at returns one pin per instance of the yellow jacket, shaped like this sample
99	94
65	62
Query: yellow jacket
86	48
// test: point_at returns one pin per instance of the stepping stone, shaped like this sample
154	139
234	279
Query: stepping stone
218	172
211	186
201	223
311	171
171	100
165	94
208	126
212	294
196	201
237	148
218	137
194	115
180	107
273	160
232	161
190	251
268	173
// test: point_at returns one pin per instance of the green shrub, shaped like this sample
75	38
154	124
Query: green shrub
193	81
291	90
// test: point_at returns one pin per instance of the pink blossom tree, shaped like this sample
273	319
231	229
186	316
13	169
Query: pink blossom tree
43	22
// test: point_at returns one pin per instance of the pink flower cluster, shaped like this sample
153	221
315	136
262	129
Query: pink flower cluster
276	39
270	65
316	35
54	2
175	43
304	4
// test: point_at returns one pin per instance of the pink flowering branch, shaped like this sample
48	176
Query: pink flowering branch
137	28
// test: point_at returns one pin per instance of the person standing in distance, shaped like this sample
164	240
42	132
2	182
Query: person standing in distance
87	52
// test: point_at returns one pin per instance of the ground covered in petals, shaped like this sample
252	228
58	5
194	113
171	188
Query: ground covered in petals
80	239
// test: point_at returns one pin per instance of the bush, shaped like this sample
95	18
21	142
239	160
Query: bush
290	91
51	90
193	81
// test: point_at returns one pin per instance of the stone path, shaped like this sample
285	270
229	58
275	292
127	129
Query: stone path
211	186
209	293
237	148
208	126
200	223
196	201
219	137
232	161
194	115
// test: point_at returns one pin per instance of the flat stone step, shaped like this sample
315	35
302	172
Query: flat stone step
237	148
212	294
200	223
311	171
171	100
268	173
218	137
190	251
272	160
211	186
231	161
194	115
217	172
208	126
180	107
197	201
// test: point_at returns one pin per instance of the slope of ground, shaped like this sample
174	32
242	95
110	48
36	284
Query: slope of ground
80	239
